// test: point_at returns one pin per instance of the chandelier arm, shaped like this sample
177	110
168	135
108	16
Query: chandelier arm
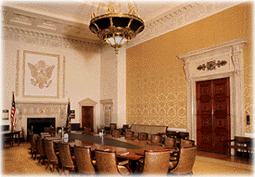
137	31
111	22
129	23
97	27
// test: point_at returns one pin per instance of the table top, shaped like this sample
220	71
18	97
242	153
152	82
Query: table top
124	148
9	132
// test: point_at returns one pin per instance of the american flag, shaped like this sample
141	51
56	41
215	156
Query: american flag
68	121
13	120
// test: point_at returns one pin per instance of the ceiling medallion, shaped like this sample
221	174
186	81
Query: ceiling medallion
116	28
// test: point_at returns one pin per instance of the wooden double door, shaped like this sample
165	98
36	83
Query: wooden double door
213	114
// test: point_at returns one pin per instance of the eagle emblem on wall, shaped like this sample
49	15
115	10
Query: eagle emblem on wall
41	74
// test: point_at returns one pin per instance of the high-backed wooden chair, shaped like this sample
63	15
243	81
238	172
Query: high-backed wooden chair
129	135
187	143
51	155
115	133
142	136
172	134
107	164
34	149
113	126
156	139
83	159
41	150
170	142
156	162
183	135
87	131
185	162
66	157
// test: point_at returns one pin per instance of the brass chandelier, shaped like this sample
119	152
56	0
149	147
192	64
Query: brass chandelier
116	28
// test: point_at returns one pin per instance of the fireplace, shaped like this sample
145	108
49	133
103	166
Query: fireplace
39	124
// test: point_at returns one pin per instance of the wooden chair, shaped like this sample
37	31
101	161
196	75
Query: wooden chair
107	164
172	134
185	161
240	146
170	142
66	157
156	140
129	135
187	143
183	135
83	159
115	133
41	150
155	162
113	126
142	136
51	155
87	131
34	150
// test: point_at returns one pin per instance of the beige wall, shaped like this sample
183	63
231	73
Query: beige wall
78	80
156	86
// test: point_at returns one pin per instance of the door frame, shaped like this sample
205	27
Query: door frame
232	52
88	102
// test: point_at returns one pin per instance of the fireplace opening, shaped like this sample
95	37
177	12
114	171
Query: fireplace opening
39	124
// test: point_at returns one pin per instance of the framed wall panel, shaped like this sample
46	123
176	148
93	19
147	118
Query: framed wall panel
40	75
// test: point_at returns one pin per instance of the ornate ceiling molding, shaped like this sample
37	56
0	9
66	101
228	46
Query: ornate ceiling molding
182	15
43	38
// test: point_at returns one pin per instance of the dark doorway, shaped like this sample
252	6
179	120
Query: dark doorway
87	117
213	114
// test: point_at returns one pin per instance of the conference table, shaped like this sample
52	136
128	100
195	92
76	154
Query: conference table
130	149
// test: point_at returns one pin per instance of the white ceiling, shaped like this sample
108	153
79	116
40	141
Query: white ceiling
72	18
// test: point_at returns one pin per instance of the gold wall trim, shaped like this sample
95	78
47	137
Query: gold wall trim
45	54
17	74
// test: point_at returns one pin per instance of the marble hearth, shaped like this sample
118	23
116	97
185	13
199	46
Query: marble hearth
40	110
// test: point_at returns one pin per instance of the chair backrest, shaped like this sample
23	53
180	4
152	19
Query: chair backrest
183	135
65	155
156	162
170	141
87	131
106	162
171	133
113	126
187	143
125	126
156	138
49	150
129	135
40	146
142	136
83	159
186	160
115	132
34	142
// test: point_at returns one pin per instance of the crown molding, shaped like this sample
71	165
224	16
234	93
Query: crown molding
43	38
181	16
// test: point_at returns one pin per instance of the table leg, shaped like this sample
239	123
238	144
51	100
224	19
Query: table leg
18	138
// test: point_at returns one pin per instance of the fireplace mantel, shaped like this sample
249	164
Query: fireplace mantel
40	109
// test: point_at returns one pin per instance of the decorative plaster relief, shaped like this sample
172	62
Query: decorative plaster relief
50	40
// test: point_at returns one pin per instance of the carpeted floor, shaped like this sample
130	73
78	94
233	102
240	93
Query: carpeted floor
17	161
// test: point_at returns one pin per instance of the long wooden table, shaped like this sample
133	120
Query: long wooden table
132	150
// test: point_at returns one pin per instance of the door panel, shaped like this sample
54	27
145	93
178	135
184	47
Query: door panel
213	120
